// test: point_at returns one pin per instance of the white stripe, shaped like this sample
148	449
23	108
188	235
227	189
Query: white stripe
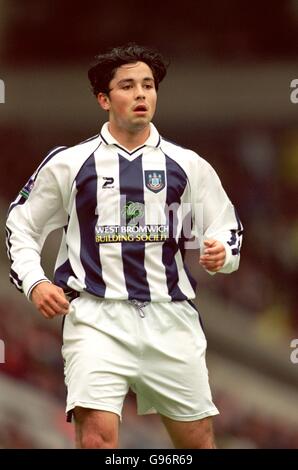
184	208
107	165
156	273
112	271
183	283
74	249
155	214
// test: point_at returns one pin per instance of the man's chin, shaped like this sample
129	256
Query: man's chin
140	122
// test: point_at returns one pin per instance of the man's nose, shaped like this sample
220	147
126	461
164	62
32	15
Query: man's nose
139	94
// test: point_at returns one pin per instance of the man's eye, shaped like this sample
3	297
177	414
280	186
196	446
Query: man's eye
148	86
126	87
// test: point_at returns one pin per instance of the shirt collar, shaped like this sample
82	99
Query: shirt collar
152	141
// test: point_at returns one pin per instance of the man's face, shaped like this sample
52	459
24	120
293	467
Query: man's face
132	99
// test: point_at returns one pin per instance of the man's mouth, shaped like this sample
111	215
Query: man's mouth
141	108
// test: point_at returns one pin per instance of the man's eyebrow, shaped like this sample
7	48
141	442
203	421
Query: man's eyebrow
131	80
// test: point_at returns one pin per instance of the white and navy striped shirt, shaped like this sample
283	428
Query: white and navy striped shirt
125	219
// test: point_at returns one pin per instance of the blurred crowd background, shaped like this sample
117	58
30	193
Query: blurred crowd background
228	97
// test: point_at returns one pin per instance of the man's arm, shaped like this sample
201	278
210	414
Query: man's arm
222	229
33	215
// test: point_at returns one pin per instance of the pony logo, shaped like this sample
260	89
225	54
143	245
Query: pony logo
133	212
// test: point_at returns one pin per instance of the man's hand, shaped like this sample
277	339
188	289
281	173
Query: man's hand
214	255
49	299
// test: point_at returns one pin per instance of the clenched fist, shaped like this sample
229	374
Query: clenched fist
214	255
49	299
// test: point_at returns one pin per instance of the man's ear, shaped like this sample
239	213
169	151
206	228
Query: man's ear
103	101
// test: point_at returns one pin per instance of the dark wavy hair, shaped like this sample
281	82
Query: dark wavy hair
104	69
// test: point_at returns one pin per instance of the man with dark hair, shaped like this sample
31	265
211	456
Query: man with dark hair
128	202
103	71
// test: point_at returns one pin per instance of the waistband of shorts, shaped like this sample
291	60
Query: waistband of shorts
73	294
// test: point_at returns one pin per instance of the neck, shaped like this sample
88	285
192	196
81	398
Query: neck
130	139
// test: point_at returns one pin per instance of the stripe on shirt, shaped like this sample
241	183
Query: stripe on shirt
64	269
177	181
155	214
108	203
14	278
86	205
133	254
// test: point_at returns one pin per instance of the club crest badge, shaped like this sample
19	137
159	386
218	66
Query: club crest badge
155	180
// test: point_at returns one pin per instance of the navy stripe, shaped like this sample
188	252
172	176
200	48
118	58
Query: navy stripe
236	251
185	236
233	238
133	254
8	235
176	183
240	232
14	278
86	204
64	271
15	284
236	236
32	179
62	274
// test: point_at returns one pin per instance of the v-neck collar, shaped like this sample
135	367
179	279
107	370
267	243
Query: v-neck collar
152	141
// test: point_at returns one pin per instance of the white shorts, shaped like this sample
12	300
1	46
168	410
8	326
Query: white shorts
110	346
